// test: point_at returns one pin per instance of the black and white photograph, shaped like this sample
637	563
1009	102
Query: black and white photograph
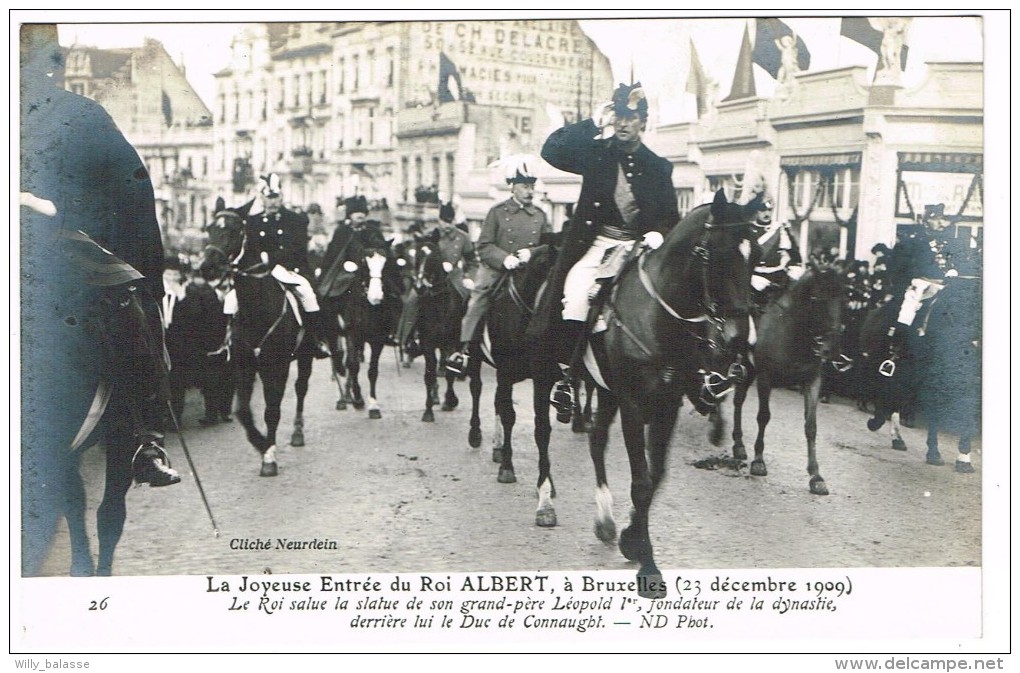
448	332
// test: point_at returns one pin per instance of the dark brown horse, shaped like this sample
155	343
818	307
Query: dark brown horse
798	335
657	348
265	333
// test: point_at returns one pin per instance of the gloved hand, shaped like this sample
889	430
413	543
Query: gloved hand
264	256
795	272
652	239
41	206
759	283
511	262
604	115
350	267
447	267
524	254
469	284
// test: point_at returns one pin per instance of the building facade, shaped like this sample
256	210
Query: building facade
150	99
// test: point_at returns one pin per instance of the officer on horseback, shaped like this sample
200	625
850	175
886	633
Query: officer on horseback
511	231
627	195
780	260
336	277
458	252
280	238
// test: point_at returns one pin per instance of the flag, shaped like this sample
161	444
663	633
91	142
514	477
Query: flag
743	76
861	30
697	81
767	53
450	87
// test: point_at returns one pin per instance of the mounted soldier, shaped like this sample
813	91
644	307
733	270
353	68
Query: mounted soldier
457	251
279	237
627	195
336	279
511	231
780	260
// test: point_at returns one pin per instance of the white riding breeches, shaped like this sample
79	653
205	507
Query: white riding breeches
582	277
302	288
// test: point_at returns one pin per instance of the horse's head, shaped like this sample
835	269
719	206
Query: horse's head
224	238
371	259
432	271
818	298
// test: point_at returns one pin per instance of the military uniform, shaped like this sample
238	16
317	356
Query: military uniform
778	253
508	227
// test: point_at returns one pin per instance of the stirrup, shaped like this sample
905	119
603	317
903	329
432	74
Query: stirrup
562	399
457	364
151	465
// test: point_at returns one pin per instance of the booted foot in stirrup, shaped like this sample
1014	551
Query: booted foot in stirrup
457	363
151	465
562	398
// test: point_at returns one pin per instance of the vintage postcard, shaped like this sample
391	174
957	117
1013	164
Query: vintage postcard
380	332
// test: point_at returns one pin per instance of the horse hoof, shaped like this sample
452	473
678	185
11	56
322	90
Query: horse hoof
899	445
497	455
268	470
341	405
358	404
758	468
630	546
104	571
650	582
964	467
578	425
934	459
428	417
297	439
374	414
474	438
450	404
589	426
606	531
818	487
739	452
506	476
875	423
546	517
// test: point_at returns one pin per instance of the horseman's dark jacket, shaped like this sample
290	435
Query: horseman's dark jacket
575	149
282	235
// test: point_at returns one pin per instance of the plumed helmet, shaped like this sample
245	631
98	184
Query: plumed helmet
630	100
446	212
269	185
518	169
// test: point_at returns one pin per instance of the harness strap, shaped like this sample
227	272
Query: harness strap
276	323
646	281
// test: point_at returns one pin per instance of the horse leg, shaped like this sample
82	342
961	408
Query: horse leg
897	437
545	515
475	386
933	456
74	512
336	358
635	544
812	393
429	357
739	397
963	464
598	439
507	418
112	511
450	400
373	376
245	388
304	373
274	383
758	468
353	388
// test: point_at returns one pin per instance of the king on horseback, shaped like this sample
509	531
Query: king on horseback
627	196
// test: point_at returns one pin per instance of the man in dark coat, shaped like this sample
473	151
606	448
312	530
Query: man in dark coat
335	279
280	236
88	228
627	195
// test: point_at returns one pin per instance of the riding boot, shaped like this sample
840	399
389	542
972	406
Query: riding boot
317	333
457	363
564	393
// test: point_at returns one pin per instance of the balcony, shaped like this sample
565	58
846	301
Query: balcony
302	160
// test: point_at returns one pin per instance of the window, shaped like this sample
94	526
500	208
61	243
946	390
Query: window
340	76
78	88
357	74
297	90
685	200
390	66
404	178
525	124
803	189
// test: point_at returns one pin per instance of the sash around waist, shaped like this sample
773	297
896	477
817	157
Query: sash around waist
617	233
